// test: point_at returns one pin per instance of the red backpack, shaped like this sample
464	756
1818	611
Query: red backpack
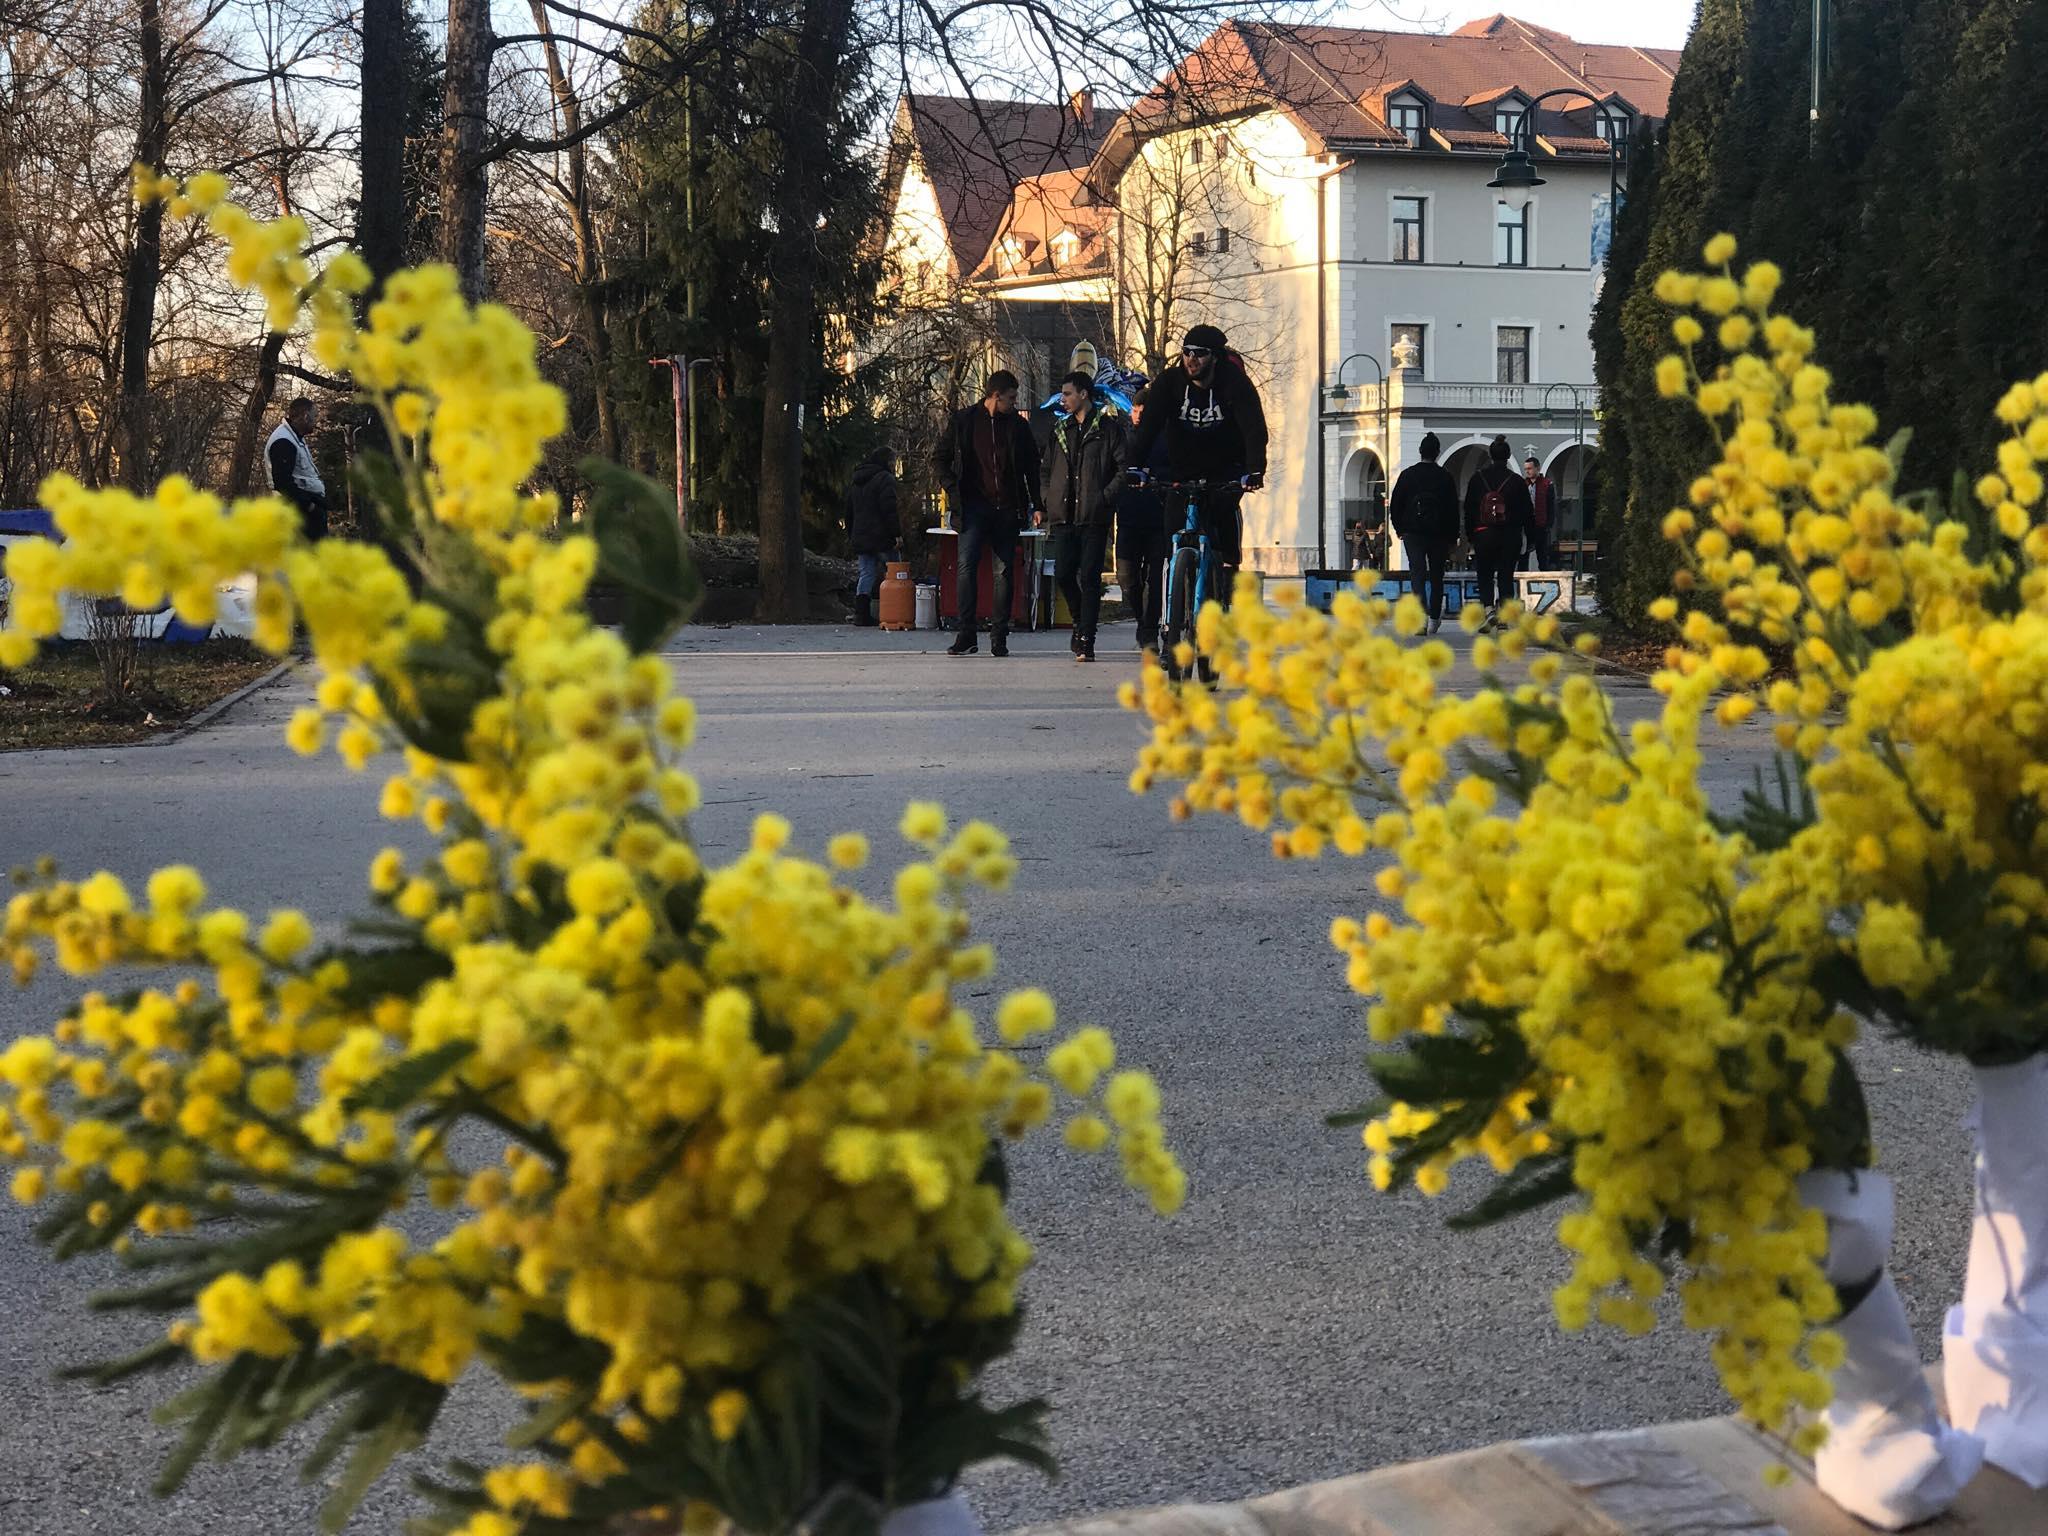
1493	505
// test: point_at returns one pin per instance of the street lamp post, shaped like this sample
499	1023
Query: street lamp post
1516	176
1339	395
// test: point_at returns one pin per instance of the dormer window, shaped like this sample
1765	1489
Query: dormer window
1066	245
1611	123
1507	118
1409	118
1011	255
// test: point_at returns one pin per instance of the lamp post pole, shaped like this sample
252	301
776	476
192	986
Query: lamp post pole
1339	395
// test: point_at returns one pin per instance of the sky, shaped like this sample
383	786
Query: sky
1643	23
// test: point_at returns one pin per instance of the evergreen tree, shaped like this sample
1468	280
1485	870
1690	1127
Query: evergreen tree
719	159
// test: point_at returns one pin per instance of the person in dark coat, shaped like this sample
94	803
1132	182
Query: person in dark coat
871	529
1142	541
987	464
1542	514
1425	517
1497	520
1084	474
293	474
1209	413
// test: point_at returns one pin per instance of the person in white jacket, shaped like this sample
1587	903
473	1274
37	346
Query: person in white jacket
293	474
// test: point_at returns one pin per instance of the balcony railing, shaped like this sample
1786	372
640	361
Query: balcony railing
1436	395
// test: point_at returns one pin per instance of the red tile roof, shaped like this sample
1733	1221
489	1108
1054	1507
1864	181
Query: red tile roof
1333	82
978	153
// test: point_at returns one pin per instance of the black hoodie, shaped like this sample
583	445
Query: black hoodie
871	527
1214	431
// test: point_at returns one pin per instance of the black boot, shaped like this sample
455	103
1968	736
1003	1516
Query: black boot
1087	650
964	644
864	611
999	642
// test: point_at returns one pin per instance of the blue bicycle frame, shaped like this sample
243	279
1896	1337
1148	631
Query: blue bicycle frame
1206	570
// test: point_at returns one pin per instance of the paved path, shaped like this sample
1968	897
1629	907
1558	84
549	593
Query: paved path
1288	1326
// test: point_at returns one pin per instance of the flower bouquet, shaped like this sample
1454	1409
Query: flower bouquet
1634	1002
706	1163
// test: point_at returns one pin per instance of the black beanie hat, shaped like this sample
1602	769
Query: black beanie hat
1205	336
1430	447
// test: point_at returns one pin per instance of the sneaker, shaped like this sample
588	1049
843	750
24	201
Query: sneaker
1074	641
1436	624
965	645
1087	650
999	644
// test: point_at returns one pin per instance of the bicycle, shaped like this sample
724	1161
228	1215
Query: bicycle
1194	573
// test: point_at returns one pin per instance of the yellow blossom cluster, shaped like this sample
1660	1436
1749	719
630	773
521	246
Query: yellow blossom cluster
670	1110
1594	991
1912	636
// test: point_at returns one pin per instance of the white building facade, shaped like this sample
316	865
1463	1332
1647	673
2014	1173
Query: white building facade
1378	288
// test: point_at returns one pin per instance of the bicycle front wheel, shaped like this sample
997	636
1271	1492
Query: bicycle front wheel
1180	594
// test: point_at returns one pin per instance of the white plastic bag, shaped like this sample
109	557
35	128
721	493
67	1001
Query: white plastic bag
1889	1457
1995	1346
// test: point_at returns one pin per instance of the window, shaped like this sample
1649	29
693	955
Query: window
1198	243
1222	245
1511	354
1065	245
1011	255
1415	336
1408	229
1406	118
1612	125
1195	151
1507	119
1510	236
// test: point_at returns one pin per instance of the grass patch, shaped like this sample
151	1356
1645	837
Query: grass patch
55	701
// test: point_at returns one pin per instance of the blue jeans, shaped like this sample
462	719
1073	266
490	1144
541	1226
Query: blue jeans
870	579
982	527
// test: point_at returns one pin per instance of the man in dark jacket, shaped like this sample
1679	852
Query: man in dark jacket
1084	470
1425	518
293	474
1497	519
1542	514
1208	411
871	529
987	465
1142	542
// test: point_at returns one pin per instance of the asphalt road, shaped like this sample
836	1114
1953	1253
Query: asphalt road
1288	1325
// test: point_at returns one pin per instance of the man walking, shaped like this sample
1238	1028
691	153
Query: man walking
871	530
1209	413
1084	466
1542	513
292	472
1142	540
987	465
1425	518
1496	521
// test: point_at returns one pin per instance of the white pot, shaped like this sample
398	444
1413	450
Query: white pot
1995	1346
948	1516
1889	1457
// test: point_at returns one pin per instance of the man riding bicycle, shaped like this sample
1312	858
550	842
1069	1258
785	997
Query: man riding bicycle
1215	431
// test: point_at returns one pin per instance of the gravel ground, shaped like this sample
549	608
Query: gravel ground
1287	1326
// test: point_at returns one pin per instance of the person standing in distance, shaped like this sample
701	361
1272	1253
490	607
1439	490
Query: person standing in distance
1425	518
1142	540
871	530
1208	411
293	474
1542	513
1084	469
1497	520
987	464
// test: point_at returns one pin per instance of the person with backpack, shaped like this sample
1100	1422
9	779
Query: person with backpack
1084	467
871	530
1425	517
1497	519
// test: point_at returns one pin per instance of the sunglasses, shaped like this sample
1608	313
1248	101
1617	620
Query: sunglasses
1194	352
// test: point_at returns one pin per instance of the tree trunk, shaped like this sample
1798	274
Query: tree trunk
380	229
145	257
808	110
596	333
242	461
465	110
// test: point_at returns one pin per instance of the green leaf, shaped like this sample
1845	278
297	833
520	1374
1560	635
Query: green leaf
208	1407
1534	1182
641	551
541	1423
381	492
404	1082
371	1459
1359	1114
161	1355
822	1052
1895	450
400	971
